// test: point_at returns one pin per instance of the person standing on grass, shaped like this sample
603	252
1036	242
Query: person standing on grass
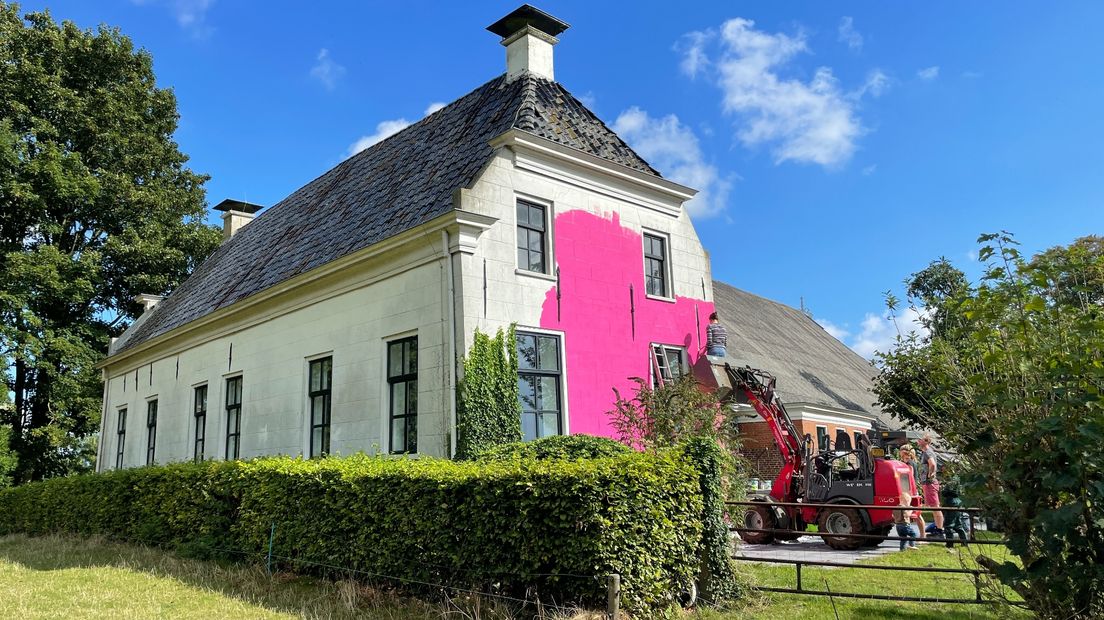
903	520
956	520
716	338
929	479
907	454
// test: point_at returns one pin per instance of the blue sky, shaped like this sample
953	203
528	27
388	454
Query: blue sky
839	146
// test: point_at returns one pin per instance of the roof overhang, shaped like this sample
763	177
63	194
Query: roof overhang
537	154
464	227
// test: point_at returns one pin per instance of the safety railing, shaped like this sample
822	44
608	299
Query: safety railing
975	574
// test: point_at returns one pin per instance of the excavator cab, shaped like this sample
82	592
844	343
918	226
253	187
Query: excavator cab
847	476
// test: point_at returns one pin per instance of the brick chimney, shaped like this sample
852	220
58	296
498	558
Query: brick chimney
235	214
528	34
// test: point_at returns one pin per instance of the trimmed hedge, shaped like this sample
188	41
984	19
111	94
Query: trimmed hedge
557	447
507	526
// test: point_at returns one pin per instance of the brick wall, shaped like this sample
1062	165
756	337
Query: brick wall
764	459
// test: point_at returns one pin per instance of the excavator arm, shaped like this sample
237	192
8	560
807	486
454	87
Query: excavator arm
758	387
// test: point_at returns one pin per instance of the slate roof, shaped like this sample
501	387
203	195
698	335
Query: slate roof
811	366
393	186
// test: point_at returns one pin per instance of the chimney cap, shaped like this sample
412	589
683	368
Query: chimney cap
237	205
528	15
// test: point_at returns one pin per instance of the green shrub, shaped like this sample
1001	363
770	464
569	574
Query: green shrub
508	527
488	413
556	447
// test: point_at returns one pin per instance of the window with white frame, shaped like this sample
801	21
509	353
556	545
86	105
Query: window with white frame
120	439
233	417
319	392
151	431
199	410
540	380
656	266
532	237
668	363
402	385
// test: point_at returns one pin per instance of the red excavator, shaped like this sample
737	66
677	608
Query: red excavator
842	475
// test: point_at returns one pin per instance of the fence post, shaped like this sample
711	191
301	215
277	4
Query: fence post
798	565
613	596
977	585
271	539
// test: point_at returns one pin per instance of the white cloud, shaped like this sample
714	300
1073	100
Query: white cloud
877	332
326	70
930	73
692	48
971	75
848	34
834	330
876	84
812	121
673	148
384	130
869	170
189	14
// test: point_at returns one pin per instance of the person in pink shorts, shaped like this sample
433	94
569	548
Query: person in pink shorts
929	478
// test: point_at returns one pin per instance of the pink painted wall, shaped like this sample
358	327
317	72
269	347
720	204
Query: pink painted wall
598	260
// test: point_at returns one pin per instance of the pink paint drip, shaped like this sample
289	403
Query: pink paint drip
598	260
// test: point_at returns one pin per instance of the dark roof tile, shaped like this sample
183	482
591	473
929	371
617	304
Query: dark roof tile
393	186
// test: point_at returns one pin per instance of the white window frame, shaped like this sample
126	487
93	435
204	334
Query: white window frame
827	437
549	237
223	419
668	271
565	413
387	387
655	369
206	418
156	423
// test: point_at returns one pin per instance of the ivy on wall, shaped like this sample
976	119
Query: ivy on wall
487	408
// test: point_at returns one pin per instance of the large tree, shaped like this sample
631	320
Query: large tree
96	206
1013	380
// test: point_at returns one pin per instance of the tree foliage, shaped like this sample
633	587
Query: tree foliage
487	408
96	206
1014	384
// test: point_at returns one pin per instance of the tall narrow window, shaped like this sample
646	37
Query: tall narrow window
321	374
531	237
120	439
200	412
668	363
233	417
151	430
822	438
655	265
539	374
402	381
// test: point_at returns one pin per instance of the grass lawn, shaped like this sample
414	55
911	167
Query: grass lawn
866	581
63	577
68	577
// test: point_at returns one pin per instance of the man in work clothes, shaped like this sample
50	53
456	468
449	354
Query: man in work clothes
716	337
929	480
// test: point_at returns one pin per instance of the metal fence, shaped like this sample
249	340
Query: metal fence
975	574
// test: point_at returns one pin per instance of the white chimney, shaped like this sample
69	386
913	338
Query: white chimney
148	301
528	35
235	214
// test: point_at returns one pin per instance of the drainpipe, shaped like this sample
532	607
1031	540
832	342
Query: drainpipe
449	273
103	419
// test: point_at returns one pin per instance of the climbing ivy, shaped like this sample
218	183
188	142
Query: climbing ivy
487	408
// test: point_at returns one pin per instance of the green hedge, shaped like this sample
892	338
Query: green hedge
557	447
506	525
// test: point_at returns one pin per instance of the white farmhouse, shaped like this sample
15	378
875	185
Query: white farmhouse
334	321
